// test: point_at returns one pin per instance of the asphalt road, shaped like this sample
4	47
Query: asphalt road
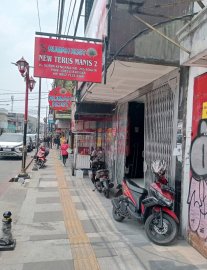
9	168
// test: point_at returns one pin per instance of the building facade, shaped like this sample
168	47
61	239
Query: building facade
143	85
3	120
16	123
194	191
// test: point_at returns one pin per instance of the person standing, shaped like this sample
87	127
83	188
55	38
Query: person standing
58	142
62	139
64	153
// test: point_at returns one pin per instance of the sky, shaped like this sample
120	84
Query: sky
18	24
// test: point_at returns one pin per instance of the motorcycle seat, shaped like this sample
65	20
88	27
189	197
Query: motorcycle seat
103	171
133	186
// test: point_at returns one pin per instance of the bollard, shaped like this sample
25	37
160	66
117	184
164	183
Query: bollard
6	241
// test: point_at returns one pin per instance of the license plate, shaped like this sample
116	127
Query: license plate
7	149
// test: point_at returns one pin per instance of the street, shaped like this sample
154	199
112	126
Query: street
9	168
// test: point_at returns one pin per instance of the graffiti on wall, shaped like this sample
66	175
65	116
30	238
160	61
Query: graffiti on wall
197	196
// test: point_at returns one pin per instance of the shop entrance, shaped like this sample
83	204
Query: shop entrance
135	141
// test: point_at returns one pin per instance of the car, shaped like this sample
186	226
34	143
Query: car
11	145
34	139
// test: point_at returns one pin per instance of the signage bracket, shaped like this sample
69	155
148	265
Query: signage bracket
69	37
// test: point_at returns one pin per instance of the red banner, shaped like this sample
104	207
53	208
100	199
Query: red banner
67	60
59	99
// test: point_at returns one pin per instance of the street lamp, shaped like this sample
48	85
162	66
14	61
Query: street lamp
23	67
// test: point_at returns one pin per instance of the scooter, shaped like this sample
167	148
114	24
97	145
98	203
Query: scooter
155	209
102	182
100	177
41	157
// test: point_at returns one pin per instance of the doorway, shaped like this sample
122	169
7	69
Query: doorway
135	141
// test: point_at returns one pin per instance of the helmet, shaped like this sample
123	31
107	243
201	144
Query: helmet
7	214
159	167
42	147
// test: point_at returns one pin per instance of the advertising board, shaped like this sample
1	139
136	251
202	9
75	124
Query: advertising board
67	60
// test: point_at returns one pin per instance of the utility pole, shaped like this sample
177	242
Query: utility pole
12	103
46	122
38	121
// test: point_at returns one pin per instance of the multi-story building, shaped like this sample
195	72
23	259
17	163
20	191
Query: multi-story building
16	123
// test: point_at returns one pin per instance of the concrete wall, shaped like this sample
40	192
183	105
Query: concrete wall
194	72
153	46
193	37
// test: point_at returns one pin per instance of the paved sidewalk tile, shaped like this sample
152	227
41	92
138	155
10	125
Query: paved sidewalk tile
64	225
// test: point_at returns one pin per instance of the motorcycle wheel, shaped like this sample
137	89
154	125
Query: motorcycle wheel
106	193
98	186
41	164
161	236
116	215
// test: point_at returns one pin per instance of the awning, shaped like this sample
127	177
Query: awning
124	78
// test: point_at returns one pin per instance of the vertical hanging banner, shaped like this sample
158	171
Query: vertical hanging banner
68	60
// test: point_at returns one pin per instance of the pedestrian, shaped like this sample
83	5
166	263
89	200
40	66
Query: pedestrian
62	139
58	142
64	151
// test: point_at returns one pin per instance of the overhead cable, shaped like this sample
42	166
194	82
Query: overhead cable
38	12
78	18
61	16
71	16
58	17
67	16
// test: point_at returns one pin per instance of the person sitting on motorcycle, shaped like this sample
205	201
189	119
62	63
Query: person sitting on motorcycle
41	152
100	154
93	153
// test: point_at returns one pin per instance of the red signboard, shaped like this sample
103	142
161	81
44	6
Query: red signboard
67	60
59	99
199	102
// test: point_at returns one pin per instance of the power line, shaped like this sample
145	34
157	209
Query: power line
23	99
61	16
71	16
58	17
38	12
15	93
78	18
68	16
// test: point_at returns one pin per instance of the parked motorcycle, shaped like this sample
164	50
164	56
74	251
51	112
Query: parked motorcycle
100	177
41	156
155	209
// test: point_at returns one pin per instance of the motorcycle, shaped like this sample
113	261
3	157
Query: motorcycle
155	209
41	157
100	178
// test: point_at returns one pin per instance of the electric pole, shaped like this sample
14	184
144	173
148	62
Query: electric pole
12	103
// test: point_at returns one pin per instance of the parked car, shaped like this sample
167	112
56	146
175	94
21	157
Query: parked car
11	145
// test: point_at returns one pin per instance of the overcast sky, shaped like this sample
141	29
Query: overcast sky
18	24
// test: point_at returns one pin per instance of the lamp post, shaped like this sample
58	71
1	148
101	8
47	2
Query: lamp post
23	67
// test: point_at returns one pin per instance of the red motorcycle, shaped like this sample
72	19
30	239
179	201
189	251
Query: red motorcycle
155	209
41	156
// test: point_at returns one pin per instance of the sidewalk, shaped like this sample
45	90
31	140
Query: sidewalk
64	225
